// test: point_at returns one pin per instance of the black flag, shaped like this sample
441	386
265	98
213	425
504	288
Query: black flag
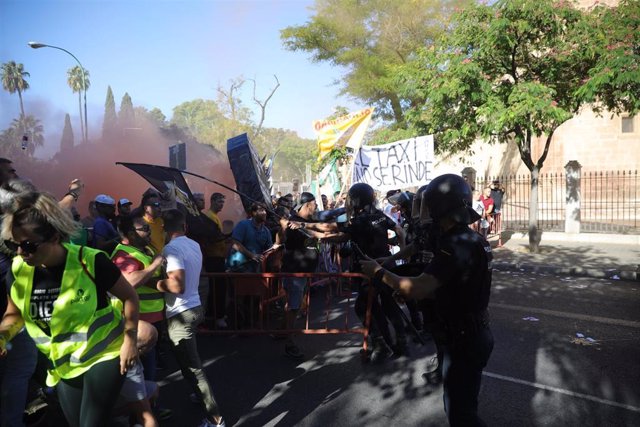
168	181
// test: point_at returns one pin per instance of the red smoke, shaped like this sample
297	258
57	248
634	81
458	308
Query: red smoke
94	164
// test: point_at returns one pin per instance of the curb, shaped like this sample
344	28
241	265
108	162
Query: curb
597	273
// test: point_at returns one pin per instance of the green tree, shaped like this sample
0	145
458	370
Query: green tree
511	71
203	120
368	39
145	118
110	122
614	82
79	83
292	153
13	80
126	116
66	143
157	117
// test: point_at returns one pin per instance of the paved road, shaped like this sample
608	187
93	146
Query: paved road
541	371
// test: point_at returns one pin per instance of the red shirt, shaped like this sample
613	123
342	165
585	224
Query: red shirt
488	204
128	264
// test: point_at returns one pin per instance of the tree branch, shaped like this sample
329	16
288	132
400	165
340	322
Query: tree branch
547	143
263	104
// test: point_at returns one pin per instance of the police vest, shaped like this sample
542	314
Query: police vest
151	300
80	334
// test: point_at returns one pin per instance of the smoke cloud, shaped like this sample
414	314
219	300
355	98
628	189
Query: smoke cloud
95	164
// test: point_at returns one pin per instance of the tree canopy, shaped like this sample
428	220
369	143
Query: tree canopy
369	39
13	80
517	70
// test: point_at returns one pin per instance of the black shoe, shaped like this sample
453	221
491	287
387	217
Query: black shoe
401	348
293	351
381	350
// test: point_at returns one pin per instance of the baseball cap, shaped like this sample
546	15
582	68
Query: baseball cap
105	200
124	201
305	197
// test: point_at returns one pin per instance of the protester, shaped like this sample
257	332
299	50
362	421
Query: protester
105	236
124	209
488	203
215	251
50	273
251	239
497	194
137	396
184	310
19	365
300	256
151	214
142	269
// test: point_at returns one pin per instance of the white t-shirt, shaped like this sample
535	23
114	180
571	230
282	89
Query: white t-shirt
183	253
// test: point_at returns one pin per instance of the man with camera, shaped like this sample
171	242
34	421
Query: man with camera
459	279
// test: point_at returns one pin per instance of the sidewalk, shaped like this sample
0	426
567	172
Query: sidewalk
609	256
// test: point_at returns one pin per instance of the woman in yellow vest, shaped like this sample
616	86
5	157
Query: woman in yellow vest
58	292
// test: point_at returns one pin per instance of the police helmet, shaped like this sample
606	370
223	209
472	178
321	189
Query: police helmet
404	200
359	197
416	206
450	196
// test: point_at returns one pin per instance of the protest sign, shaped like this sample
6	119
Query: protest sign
400	164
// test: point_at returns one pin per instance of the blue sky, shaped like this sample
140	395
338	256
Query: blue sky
162	53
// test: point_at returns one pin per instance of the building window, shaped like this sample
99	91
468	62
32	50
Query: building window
627	124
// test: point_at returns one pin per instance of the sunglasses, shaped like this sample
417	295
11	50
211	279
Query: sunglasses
27	246
144	228
155	205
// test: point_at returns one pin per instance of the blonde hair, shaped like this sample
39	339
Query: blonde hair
24	206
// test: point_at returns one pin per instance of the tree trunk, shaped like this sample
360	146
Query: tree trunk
397	110
534	232
21	105
80	110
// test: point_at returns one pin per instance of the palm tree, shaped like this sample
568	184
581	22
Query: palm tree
77	84
28	132
13	80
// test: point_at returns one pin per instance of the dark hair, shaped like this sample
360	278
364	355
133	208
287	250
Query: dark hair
174	220
255	206
216	196
126	224
149	194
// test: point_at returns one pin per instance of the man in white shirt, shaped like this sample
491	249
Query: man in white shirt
184	310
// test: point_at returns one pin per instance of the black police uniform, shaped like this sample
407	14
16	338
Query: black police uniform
462	264
369	231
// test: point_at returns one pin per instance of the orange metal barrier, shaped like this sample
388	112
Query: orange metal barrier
264	291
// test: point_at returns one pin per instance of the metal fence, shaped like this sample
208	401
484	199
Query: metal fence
610	201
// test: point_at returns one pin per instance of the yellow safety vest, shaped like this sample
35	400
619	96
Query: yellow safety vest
80	334
151	300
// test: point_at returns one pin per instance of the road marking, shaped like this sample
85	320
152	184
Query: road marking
562	391
532	310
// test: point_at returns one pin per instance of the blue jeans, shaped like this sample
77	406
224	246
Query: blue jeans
463	360
19	366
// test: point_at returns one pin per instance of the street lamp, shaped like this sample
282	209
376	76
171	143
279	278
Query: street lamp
36	45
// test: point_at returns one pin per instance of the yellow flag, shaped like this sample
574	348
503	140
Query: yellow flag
346	130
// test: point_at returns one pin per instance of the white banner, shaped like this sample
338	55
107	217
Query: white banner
400	164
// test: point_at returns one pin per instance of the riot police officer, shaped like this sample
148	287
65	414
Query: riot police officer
459	279
367	227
